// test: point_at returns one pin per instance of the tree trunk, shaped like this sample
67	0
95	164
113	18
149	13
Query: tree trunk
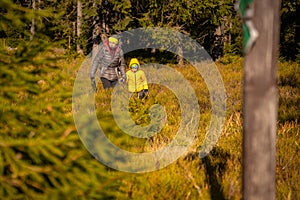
217	49
32	28
99	29
297	32
260	105
105	17
96	40
78	29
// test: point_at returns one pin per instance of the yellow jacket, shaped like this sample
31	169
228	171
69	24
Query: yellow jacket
136	80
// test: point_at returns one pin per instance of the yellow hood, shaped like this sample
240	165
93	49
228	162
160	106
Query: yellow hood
134	61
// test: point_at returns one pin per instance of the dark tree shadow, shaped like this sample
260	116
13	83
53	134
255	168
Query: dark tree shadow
215	166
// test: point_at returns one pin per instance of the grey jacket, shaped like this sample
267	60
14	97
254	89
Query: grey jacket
109	62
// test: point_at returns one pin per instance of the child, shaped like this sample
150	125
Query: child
136	79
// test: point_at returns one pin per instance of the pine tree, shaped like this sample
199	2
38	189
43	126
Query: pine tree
41	156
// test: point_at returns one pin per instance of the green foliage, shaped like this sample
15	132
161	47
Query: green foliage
289	32
41	155
199	19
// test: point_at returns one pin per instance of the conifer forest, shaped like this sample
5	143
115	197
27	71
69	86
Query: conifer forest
46	44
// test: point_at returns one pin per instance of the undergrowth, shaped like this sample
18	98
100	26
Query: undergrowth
43	157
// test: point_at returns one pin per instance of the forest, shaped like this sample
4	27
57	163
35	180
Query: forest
43	46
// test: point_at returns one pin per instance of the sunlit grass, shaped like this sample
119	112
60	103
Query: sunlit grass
42	156
219	175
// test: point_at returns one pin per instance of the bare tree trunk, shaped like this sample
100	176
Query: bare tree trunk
73	36
229	36
105	17
79	22
69	42
32	28
99	29
96	40
260	105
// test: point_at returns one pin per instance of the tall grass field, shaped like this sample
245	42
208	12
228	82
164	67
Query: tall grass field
43	157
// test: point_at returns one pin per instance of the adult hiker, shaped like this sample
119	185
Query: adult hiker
136	79
110	59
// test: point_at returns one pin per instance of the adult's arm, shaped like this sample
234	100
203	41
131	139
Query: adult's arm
122	64
96	61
